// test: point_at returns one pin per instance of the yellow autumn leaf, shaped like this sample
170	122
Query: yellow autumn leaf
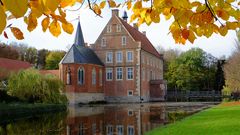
102	4
191	37
3	19
155	16
223	14
45	23
32	22
55	28
51	4
232	25
112	3
137	5
65	3
97	9
129	4
68	27
17	33
223	30
17	7
158	3
80	1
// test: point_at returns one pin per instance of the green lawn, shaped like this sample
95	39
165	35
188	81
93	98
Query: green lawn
223	119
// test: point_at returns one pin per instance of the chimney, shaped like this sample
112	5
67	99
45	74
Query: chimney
115	12
135	26
125	16
144	33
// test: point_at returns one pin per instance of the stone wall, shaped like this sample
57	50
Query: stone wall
126	99
76	98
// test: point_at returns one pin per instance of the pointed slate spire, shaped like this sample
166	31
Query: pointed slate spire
79	40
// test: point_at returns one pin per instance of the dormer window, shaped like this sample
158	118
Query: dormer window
103	42
109	28
124	40
119	28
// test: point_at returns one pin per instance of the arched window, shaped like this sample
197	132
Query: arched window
100	77
81	76
68	76
93	76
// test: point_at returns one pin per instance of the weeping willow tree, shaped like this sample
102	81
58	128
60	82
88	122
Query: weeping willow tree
30	86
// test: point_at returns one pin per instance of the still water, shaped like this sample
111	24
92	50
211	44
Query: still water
116	119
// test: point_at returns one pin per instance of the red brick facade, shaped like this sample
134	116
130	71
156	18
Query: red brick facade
87	86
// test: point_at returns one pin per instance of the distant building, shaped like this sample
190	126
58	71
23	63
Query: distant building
121	66
8	65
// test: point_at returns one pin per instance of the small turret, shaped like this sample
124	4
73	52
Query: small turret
125	16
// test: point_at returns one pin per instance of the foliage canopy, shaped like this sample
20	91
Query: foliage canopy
30	86
191	18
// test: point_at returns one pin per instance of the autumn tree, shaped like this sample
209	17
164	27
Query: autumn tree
231	69
190	19
8	52
53	59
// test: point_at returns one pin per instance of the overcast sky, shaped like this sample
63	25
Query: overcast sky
92	26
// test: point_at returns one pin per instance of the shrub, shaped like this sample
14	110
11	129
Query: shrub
30	86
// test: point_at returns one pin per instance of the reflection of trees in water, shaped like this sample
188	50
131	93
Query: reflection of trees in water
50	124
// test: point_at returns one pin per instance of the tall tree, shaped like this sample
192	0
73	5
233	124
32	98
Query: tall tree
41	58
53	58
31	55
190	18
192	70
231	68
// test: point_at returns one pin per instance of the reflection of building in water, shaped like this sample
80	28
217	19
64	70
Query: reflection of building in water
115	120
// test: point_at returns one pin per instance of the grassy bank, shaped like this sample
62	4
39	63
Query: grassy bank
16	111
220	120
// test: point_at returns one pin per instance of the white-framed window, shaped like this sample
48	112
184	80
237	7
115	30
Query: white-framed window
129	56
120	129
100	77
151	75
130	92
119	56
119	28
109	130
143	74
109	57
129	73
94	76
81	76
109	28
109	74
130	130
124	40
130	112
103	41
119	73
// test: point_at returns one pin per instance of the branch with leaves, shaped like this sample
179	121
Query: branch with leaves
191	19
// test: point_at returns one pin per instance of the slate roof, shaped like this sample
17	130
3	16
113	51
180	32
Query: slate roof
138	36
79	53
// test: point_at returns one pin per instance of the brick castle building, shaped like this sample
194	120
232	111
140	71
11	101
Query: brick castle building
121	66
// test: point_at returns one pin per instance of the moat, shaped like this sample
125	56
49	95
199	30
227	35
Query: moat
110	119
